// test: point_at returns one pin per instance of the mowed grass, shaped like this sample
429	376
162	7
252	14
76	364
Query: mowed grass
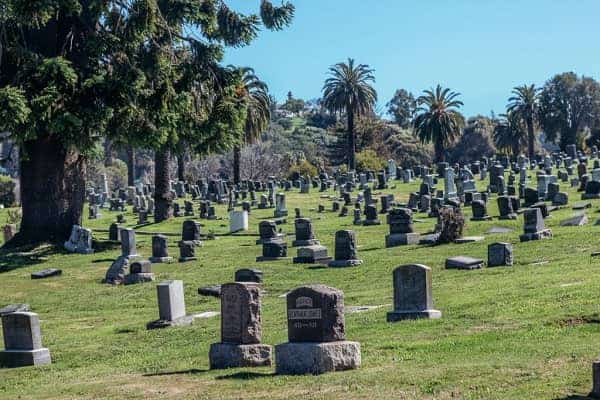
522	332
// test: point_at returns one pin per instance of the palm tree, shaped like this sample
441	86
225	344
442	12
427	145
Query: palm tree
438	119
525	103
510	134
349	91
255	94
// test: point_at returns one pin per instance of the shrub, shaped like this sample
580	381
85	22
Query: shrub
7	191
286	123
367	160
304	168
451	223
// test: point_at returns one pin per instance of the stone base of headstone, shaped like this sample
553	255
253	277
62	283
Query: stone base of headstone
508	217
186	259
142	277
486	218
227	355
305	243
312	255
277	238
344	263
280	214
160	324
371	222
117	271
595	393
462	262
24	358
161	260
316	358
46	273
262	258
588	196
402	239
396	316
545	234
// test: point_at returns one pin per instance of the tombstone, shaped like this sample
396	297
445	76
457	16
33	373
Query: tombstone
160	251
371	216
449	186
402	231
316	333
412	294
114	232
268	232
386	203
280	207
128	248
595	393
273	251
190	232
187	251
463	262
22	341
381	181
238	221
46	273
407	176
479	209
171	306
346	254
80	241
592	190
304	233
392	169
248	275
531	196
534	226
500	254
140	271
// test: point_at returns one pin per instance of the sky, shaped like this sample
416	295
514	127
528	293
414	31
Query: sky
479	48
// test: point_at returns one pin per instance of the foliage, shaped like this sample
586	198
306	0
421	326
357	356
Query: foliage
510	134
367	160
569	104
116	174
475	142
402	107
438	120
349	91
286	123
294	105
303	168
451	222
7	191
524	104
406	149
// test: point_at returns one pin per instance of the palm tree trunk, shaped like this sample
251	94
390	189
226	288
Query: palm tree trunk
438	148
181	167
163	200
237	155
531	138
351	141
130	165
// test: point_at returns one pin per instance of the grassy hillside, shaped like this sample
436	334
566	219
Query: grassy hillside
523	332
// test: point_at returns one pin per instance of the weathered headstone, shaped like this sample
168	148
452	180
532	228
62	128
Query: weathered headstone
412	294
304	233
402	231
160	250
80	240
534	226
22	341
346	254
500	254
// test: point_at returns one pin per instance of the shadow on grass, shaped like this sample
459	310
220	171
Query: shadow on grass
575	397
192	371
25	256
105	245
246	376
318	267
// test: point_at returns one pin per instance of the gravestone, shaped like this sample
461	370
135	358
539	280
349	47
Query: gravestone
273	251
505	208
315	254
248	275
46	273
371	216
304	233
346	254
171	306
479	209
500	254
22	341
140	271
128	248
187	251
463	262
412	294
114	232
534	226
241	329
80	240
316	333
402	231
190	232
160	251
238	221
280	206
267	231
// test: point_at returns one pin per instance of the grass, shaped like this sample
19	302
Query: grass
525	332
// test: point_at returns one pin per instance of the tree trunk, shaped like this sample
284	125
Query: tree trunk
531	138
181	167
438	149
351	142
163	199
237	155
130	166
52	191
108	155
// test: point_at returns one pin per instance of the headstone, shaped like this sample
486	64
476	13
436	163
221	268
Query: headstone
128	247
463	262
267	231
140	271
187	251
241	329
160	250
248	275
315	254
304	233
412	294
272	251
190	232
500	254
80	240
316	332
534	226
22	341
171	306
479	209
46	273
402	231
371	216
346	254
238	221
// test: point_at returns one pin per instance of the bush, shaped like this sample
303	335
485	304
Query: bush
7	191
286	123
304	168
367	160
451	224
116	174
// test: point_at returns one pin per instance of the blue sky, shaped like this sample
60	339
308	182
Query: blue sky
480	48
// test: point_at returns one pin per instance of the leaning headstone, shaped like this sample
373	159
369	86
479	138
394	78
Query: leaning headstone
412	294
534	228
316	333
117	271
80	240
22	341
346	254
160	251
500	254
171	306
241	329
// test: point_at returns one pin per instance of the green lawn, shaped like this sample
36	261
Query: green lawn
526	332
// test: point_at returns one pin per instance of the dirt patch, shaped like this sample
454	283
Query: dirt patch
577	321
